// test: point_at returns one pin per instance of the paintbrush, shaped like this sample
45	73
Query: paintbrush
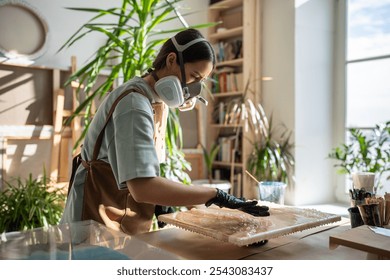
253	177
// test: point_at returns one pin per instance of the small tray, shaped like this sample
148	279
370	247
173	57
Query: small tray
364	239
242	229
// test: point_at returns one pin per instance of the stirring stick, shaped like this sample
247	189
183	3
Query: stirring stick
253	177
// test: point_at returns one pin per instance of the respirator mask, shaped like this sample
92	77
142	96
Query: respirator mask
176	93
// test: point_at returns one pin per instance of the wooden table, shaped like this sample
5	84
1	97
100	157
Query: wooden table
311	244
364	239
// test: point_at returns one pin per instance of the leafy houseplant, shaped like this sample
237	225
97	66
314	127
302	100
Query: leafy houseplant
271	163
365	152
30	204
272	159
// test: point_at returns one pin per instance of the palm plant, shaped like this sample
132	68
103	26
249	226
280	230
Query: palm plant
129	50
175	165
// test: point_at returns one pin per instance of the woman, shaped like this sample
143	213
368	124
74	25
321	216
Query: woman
129	144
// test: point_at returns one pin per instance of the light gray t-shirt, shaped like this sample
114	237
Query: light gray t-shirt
127	145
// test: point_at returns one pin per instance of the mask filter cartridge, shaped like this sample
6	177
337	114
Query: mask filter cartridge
170	91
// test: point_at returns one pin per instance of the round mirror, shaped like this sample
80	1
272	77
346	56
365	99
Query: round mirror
23	32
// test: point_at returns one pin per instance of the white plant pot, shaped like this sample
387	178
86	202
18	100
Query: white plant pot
364	180
272	191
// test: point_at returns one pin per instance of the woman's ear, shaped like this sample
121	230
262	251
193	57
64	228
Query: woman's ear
171	60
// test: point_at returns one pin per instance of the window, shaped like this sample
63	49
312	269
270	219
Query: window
368	63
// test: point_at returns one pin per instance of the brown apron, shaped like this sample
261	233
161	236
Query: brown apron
103	201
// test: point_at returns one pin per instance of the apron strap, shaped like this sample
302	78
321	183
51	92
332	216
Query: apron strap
99	140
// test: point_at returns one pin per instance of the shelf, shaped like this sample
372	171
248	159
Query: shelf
227	164
226	34
225	4
240	28
227	94
226	125
234	62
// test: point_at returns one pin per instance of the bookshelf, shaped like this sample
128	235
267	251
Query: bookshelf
236	41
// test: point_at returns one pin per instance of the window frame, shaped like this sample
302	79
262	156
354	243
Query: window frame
341	128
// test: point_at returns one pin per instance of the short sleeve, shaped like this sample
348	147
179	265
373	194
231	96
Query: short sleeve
132	152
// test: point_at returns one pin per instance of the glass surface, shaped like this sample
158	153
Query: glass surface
85	240
368	25
368	93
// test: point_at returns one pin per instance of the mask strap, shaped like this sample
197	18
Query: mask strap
183	76
180	49
154	75
150	71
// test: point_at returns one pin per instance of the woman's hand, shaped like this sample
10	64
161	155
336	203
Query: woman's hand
223	199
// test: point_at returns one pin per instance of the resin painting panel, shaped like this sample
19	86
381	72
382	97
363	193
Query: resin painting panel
242	229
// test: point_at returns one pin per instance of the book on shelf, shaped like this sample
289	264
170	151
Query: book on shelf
221	112
228	50
224	81
228	112
239	81
227	146
233	114
226	69
221	173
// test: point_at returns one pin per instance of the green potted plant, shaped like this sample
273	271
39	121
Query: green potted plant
30	203
272	162
272	159
365	152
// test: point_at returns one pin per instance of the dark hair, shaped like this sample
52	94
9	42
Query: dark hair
197	52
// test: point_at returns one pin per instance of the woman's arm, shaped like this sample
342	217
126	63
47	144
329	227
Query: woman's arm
159	190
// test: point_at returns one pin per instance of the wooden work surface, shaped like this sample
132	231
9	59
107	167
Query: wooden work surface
362	238
311	244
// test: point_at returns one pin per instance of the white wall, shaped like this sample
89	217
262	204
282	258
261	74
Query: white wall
63	23
298	54
278	95
314	39
338	112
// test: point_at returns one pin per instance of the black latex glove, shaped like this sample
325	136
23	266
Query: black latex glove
223	199
161	210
